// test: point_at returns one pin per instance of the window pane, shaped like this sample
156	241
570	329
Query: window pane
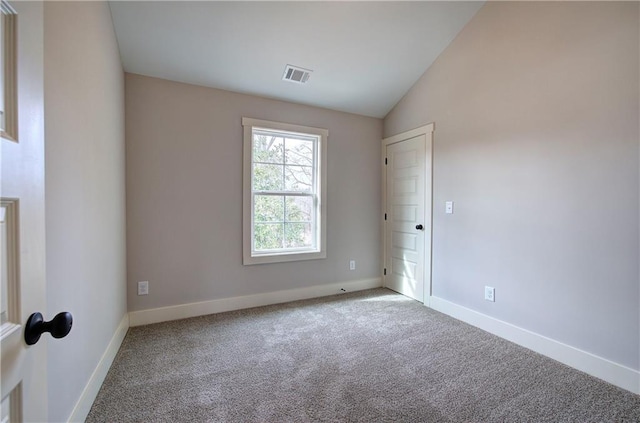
299	152
268	208
298	178
299	209
298	235
268	236
267	177
268	148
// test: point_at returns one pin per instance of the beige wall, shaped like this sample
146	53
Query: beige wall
536	111
85	214
184	194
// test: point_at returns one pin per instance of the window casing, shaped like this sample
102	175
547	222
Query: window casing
284	198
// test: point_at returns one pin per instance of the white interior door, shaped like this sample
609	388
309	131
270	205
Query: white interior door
23	380
408	214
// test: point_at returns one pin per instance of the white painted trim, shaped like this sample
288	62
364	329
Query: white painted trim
183	311
83	406
614	373
427	131
7	329
10	52
289	127
322	135
11	221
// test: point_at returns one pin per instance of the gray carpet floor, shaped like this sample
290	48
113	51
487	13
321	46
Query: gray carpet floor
370	356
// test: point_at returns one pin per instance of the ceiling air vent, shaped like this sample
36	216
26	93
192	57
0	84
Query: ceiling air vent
296	74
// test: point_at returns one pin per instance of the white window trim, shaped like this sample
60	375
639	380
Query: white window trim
278	257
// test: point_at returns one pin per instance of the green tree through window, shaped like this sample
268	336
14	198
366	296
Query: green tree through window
283	191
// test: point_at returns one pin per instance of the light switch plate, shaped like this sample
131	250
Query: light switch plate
448	207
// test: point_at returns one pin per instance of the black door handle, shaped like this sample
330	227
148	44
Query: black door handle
58	327
419	227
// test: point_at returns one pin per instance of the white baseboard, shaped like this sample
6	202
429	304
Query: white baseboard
183	311
83	406
591	364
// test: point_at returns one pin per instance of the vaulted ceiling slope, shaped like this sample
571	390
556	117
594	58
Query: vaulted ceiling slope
364	55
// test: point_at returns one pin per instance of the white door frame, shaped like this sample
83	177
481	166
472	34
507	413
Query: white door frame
427	131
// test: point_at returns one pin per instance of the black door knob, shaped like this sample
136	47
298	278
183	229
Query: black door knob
419	227
58	327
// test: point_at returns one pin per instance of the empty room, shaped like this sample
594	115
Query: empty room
304	211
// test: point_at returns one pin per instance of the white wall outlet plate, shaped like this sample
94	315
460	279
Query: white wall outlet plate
143	288
489	293
352	265
448	207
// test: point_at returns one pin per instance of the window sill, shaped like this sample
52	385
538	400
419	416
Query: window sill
284	257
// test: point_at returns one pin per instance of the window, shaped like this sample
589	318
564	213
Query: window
284	192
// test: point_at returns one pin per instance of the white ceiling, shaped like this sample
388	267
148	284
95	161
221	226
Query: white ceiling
364	55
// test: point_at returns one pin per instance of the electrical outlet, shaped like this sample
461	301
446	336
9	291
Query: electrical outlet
489	293
143	288
352	265
448	207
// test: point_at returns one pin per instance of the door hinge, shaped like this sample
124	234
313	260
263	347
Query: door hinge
385	160
385	216
385	271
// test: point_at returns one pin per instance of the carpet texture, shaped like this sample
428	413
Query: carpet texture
370	356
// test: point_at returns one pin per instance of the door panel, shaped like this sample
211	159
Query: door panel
23	382
405	205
